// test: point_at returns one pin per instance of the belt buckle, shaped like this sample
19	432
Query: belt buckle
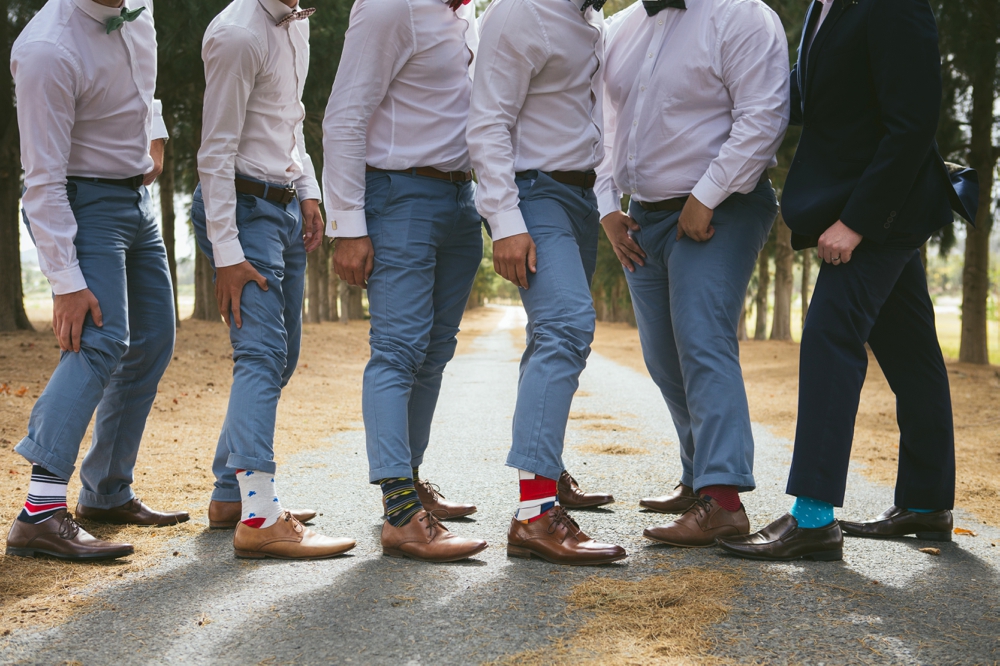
136	182
289	197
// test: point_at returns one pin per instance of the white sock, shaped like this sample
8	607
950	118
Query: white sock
261	507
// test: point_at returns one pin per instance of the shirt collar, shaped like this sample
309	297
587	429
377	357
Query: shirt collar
825	2
276	9
97	11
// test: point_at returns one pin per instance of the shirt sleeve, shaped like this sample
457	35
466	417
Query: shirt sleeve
159	129
512	50
45	87
306	185
609	197
753	65
377	44
233	56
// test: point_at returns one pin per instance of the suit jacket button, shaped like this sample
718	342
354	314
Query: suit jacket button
887	224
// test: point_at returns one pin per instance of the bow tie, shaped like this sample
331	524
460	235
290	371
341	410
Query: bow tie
296	16
126	16
654	7
455	4
596	4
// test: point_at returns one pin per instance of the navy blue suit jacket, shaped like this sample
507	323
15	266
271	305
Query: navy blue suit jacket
868	94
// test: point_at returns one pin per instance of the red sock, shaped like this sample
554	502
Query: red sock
727	496
538	495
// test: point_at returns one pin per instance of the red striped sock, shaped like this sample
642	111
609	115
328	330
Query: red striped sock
727	496
538	495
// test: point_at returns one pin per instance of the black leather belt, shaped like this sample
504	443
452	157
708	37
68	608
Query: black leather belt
428	172
279	195
133	183
585	179
677	203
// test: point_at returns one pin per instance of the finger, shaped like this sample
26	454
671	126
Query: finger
532	262
225	307
846	256
235	305
680	231
62	334
709	232
369	266
521	273
632	224
632	256
625	261
95	313
634	247
75	331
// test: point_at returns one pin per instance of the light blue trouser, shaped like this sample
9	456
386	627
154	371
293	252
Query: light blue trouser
266	348
119	365
563	222
687	301
428	243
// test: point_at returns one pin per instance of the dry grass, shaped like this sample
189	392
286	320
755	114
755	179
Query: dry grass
613	449
658	620
770	370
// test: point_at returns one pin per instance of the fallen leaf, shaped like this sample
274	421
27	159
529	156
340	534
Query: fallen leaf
21	391
964	532
931	551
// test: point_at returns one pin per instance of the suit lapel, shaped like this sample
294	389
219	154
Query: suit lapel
800	68
812	57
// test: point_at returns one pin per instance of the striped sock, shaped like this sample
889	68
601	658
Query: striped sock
538	495
416	474
261	507
401	501
46	495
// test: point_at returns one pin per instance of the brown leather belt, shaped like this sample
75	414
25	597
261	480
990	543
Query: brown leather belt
133	183
677	203
427	172
585	179
279	195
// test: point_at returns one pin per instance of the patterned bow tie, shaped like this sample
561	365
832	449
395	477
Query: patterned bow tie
596	4
125	17
455	4
296	16
653	7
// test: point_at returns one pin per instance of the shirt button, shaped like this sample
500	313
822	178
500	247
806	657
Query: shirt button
630	157
660	22
649	55
642	87
635	123
633	190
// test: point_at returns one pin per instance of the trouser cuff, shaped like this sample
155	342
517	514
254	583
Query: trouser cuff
744	482
815	489
224	494
256	464
523	463
38	455
394	472
95	501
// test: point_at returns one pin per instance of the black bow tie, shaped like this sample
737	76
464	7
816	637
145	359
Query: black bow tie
596	4
654	7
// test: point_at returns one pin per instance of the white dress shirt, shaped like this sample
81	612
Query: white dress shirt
255	72
827	6
400	99
696	101
536	100
85	107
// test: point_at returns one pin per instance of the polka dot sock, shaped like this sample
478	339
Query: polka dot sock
261	507
811	513
923	510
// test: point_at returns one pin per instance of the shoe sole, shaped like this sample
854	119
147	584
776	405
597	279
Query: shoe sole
525	554
923	536
35	552
395	552
593	505
257	555
664	511
459	515
112	522
824	556
681	545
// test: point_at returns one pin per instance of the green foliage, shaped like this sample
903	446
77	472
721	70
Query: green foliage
489	285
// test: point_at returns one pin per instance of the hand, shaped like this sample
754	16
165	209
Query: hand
837	244
511	255
229	283
68	314
695	221
312	224
616	226
354	259
156	148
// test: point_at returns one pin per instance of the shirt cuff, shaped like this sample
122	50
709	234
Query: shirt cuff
159	129
609	202
308	189
229	253
346	224
508	223
67	281
709	193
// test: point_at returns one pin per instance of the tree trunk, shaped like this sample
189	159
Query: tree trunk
784	257
807	256
169	220
324	282
344	291
355	307
314	275
206	308
975	273
741	331
332	288
763	282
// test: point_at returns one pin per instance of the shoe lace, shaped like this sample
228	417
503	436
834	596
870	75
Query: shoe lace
433	489
433	521
701	505
572	482
561	517
69	528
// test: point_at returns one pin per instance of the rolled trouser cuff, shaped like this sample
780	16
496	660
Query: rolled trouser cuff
256	464
36	454
534	466
95	501
744	482
376	474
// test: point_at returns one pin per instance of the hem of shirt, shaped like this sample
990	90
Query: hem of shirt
346	224
508	223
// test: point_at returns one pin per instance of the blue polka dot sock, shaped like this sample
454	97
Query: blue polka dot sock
261	507
810	513
922	510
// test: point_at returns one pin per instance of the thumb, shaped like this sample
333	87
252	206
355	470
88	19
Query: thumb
261	281
532	258
632	224
680	232
95	312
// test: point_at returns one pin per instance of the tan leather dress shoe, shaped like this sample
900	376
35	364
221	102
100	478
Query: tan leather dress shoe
571	497
60	536
287	539
701	525
424	538
133	512
225	515
431	498
556	538
678	501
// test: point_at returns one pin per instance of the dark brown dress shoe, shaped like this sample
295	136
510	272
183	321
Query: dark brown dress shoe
571	497
896	522
60	536
287	539
426	539
226	515
435	503
556	538
784	540
701	525
132	512
678	501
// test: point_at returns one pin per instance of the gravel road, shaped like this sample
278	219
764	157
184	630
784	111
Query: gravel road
886	603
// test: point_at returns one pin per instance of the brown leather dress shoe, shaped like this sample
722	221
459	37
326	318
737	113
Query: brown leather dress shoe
701	525
60	536
424	538
896	522
556	538
287	539
434	502
226	515
678	501
784	540
571	497
132	512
